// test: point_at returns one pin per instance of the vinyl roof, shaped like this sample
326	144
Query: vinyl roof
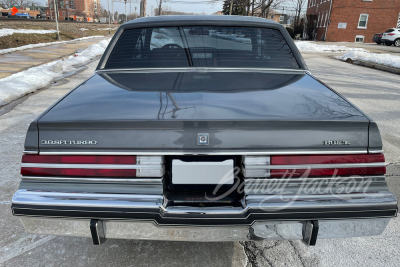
201	18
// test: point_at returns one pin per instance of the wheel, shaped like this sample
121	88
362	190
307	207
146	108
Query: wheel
388	44
397	42
378	43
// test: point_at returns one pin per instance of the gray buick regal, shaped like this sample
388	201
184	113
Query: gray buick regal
203	128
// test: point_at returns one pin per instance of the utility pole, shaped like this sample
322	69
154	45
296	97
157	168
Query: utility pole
112	10
142	8
230	10
159	8
109	17
56	18
130	7
126	16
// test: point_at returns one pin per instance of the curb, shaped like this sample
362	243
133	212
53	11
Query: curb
373	65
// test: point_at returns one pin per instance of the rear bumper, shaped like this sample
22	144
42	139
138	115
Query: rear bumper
134	216
148	230
387	41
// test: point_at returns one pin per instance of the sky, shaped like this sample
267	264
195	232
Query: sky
189	6
193	6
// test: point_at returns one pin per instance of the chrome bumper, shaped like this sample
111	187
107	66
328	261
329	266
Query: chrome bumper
134	216
145	230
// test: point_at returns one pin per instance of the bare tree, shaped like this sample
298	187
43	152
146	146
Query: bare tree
299	5
263	7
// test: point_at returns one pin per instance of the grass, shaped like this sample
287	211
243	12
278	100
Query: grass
20	39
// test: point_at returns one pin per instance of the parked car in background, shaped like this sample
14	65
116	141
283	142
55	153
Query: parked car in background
391	36
377	38
20	16
203	128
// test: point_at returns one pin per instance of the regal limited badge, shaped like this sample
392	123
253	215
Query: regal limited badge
68	142
337	143
202	139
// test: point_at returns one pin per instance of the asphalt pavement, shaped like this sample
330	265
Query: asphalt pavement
372	47
375	92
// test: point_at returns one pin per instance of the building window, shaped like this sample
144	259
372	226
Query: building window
359	38
362	23
281	18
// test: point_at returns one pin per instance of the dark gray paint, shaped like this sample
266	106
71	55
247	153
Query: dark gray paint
124	112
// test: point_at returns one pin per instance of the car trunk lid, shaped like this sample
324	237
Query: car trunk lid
166	111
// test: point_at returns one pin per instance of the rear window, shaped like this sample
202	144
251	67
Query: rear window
172	47
390	30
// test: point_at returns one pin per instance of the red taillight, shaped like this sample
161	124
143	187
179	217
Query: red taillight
287	173
391	34
92	166
326	159
319	165
287	166
79	159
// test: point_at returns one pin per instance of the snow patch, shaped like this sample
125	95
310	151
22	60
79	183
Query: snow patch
5	31
24	82
305	46
382	59
83	29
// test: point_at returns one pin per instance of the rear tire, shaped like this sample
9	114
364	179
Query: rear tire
378	43
388	44
397	42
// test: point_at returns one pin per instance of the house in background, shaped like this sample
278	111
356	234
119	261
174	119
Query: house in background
278	17
350	21
74	9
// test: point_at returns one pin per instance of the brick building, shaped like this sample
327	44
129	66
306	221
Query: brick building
350	20
70	9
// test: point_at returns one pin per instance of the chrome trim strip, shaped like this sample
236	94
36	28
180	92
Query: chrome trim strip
270	203
90	166
203	69
156	153
150	181
316	166
149	230
133	201
30	152
375	151
310	179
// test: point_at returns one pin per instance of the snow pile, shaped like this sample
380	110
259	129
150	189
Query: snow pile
106	29
83	29
158	40
305	46
232	37
28	81
24	47
383	59
5	31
